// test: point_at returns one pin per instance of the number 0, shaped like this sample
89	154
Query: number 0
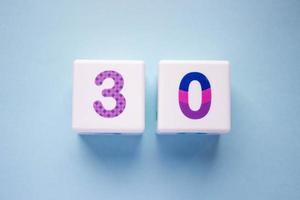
184	97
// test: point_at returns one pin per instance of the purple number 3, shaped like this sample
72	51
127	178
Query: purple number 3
113	92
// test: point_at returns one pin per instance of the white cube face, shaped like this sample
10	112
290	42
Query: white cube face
108	96
193	97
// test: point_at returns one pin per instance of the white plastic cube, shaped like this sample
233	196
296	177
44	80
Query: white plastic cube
193	97
108	96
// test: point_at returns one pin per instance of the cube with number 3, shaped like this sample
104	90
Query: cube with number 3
108	96
193	97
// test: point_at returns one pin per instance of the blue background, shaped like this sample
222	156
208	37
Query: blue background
42	158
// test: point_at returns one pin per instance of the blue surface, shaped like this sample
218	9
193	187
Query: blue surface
40	156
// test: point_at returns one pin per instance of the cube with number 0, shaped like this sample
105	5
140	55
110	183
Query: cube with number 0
193	97
108	96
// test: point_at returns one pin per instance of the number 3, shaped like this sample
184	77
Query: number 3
113	92
183	95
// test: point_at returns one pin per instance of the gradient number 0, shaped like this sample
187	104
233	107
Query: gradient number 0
113	92
184	97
